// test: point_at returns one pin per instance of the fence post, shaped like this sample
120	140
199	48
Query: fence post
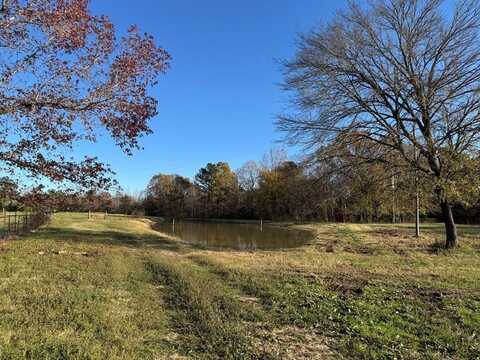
8	223
15	219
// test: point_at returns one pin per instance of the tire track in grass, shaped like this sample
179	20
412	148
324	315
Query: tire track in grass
247	285
286	331
207	314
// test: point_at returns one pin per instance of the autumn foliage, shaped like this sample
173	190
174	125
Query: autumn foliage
65	78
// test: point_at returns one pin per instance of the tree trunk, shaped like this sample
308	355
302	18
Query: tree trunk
417	215
450	227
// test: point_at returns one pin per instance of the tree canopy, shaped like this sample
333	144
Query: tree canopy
66	76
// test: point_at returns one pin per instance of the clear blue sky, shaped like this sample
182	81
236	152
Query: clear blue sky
218	101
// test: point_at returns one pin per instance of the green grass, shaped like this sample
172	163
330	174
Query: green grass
116	289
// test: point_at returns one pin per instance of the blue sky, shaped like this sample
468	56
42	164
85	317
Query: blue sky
218	101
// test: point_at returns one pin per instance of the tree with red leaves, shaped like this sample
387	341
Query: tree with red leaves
64	77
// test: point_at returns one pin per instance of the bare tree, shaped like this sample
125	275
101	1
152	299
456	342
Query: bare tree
273	158
248	175
402	75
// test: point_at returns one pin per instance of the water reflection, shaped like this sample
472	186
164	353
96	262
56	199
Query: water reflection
236	236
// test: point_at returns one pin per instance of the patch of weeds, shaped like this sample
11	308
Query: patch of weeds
289	300
206	315
368	320
389	232
346	286
353	241
233	277
345	233
397	323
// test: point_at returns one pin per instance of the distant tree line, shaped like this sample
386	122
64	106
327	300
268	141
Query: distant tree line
15	198
103	201
331	186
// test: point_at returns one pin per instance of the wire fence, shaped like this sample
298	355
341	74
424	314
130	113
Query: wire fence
96	215
18	223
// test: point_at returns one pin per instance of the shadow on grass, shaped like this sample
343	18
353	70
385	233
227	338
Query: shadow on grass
107	238
432	228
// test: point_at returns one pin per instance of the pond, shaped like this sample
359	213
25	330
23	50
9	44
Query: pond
236	236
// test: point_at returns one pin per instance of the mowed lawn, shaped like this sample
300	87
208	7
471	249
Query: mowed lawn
116	289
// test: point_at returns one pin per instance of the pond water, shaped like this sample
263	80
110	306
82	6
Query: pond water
236	236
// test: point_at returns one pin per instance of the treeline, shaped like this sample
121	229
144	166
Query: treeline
15	198
333	186
276	188
281	189
117	203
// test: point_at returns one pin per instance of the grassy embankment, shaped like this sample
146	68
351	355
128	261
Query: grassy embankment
116	289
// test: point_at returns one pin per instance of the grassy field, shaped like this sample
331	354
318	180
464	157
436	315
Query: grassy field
116	289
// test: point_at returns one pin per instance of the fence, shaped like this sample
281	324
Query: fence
18	223
91	215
